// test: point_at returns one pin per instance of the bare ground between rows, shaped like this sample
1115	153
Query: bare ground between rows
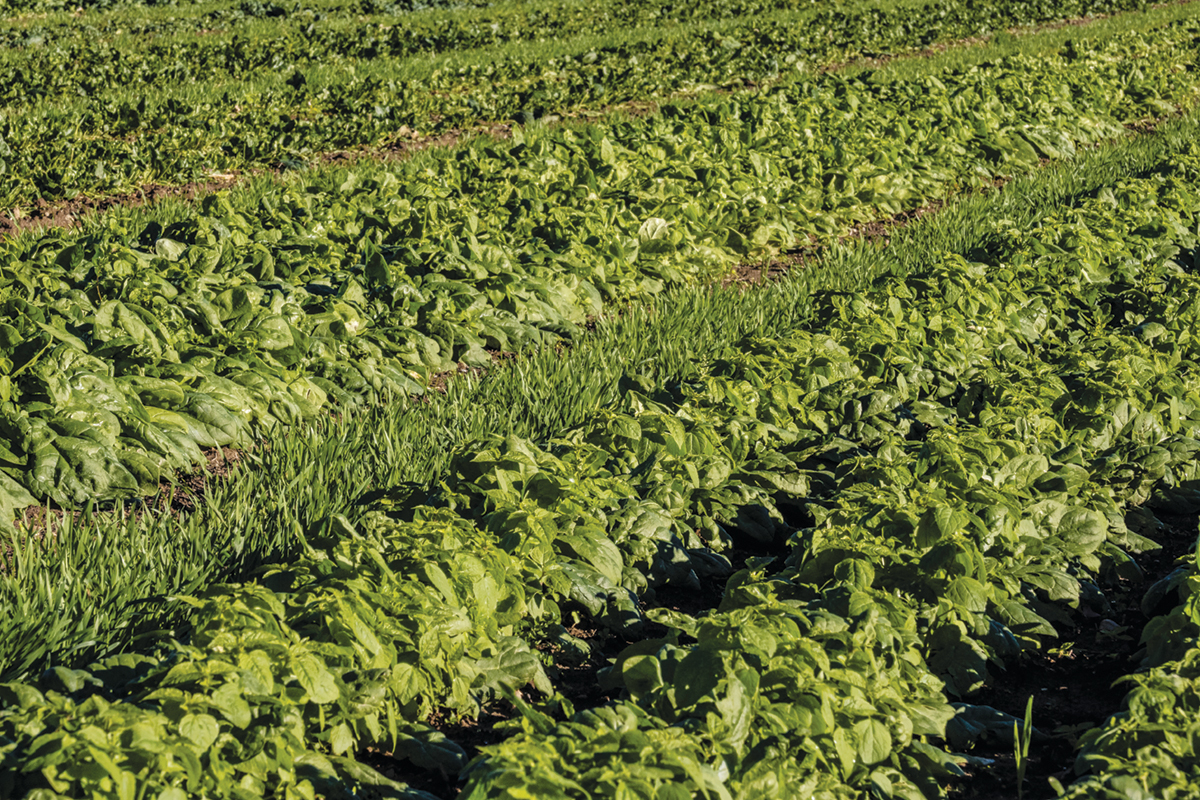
879	231
1072	683
72	213
182	494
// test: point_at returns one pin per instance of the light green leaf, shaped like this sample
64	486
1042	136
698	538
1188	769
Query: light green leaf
873	740
967	593
201	729
653	228
169	249
316	679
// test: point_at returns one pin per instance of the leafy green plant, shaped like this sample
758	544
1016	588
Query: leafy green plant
606	752
302	476
848	440
908	565
773	698
127	136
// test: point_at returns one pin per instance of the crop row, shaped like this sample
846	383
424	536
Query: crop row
87	60
947	465
117	136
347	32
127	351
251	8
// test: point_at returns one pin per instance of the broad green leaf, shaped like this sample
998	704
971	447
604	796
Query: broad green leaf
201	729
967	593
169	249
873	740
315	678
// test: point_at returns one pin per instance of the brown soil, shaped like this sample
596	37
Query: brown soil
441	381
874	62
406	142
880	231
71	213
178	496
189	489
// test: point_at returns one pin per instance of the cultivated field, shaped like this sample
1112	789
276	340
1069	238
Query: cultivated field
625	400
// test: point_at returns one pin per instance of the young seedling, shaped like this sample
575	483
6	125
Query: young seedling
1021	740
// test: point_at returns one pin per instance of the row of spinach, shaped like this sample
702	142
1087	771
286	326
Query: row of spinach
123	351
60	62
108	134
117	49
947	462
